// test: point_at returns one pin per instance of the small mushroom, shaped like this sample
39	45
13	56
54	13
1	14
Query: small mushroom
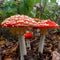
28	35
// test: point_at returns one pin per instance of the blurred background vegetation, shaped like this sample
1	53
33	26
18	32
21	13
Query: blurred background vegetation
43	9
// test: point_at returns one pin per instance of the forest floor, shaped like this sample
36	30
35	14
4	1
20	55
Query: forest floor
9	49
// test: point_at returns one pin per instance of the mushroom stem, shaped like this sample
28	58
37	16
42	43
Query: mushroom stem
42	39
22	47
28	44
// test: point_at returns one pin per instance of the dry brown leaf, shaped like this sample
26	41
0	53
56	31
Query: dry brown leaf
11	50
2	42
8	58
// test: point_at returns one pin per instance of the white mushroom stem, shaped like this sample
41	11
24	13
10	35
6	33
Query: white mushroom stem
22	46
28	43
42	39
21	40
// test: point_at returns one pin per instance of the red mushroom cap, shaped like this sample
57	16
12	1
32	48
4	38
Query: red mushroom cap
28	35
47	24
18	20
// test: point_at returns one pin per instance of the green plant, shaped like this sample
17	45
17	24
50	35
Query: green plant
48	10
35	8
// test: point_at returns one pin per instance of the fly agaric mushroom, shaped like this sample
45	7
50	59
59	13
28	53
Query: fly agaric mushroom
28	35
18	25
44	25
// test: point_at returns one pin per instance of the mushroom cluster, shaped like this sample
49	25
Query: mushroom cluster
18	24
